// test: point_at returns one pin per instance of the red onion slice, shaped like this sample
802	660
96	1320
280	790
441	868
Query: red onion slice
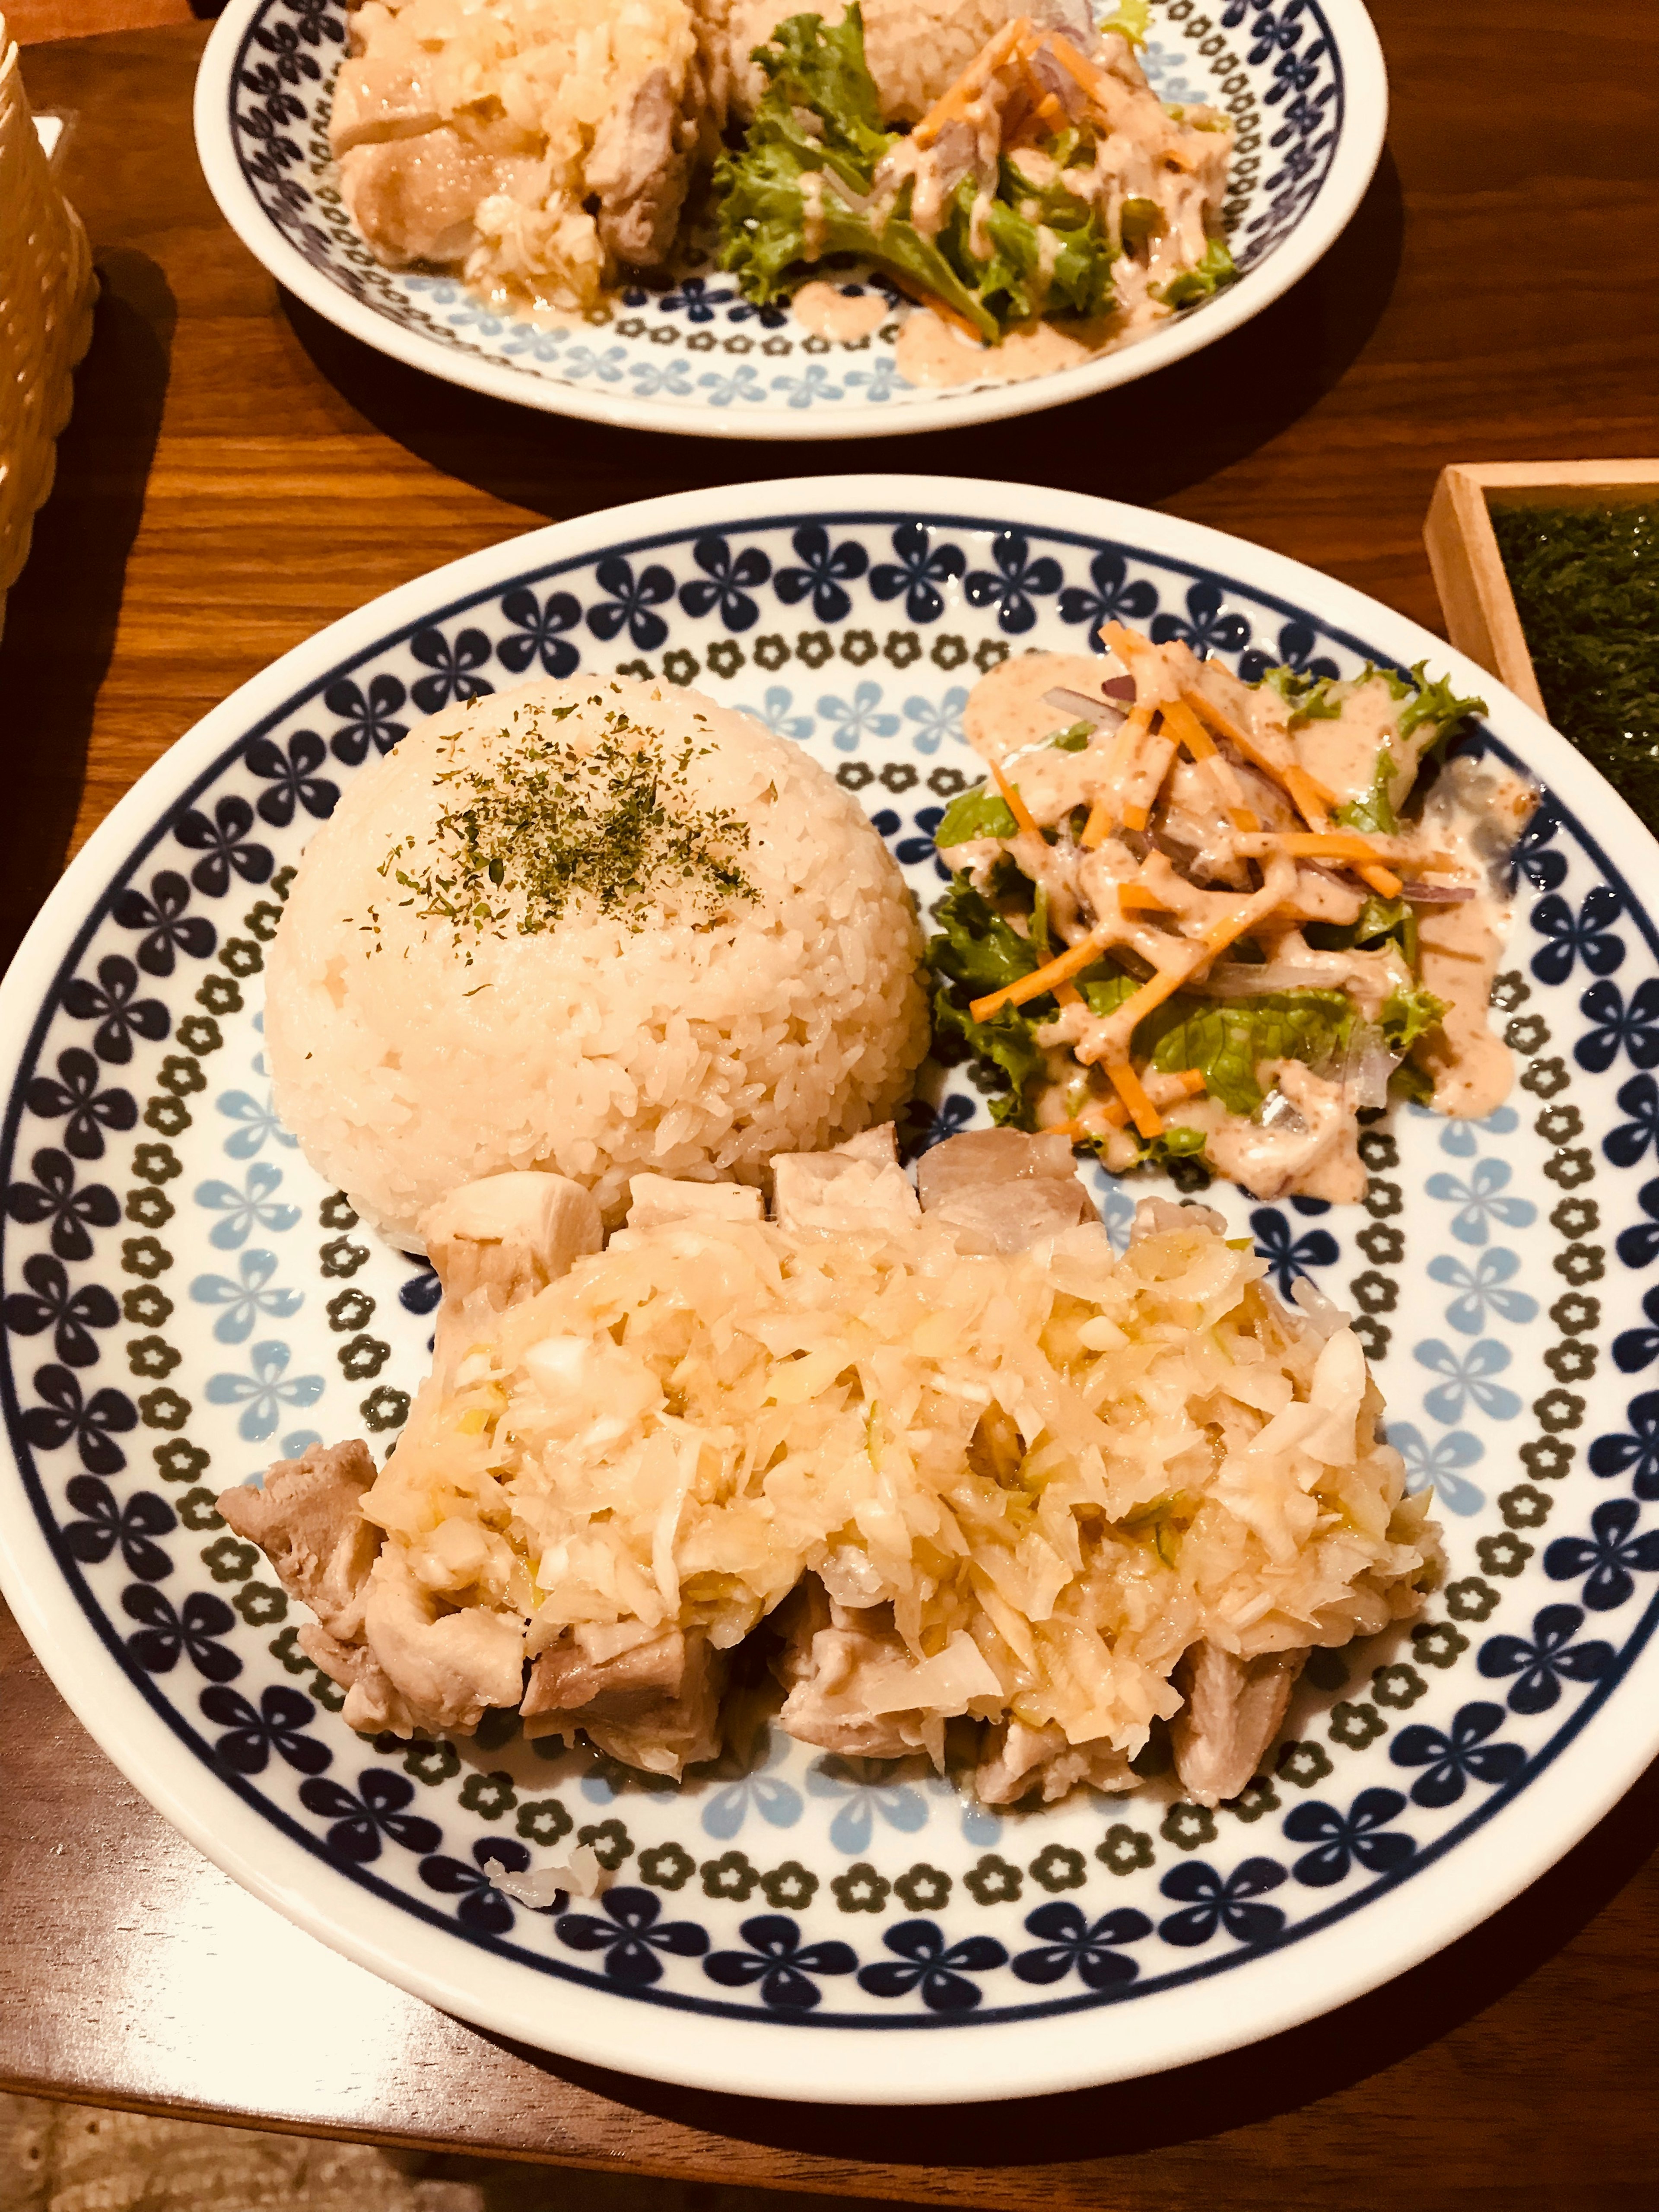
1437	893
1120	687
1081	707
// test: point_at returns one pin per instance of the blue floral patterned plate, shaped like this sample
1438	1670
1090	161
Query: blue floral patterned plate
1303	80
183	1299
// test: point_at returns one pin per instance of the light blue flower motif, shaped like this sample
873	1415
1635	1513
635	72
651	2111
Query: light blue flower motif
1117	1212
863	1783
858	719
742	384
812	386
245	1299
477	318
582	360
774	715
1483	1290
981	1824
1479	1201
1460	1138
526	340
251	1208
1164	66
1468	1378
444	294
296	1445
652	377
778	1802
937	721
882	377
1434	1466
263	1394
258	1121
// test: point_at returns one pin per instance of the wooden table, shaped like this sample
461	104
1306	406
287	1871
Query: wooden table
237	475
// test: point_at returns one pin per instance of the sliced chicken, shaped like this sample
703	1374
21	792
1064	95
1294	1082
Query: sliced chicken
858	1185
1020	1762
1234	1710
500	1240
651	1702
854	1687
638	168
1002	1191
372	1700
656	1199
447	1668
380	97
413	198
309	1521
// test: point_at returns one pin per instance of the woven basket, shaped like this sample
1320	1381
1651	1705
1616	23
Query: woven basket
46	293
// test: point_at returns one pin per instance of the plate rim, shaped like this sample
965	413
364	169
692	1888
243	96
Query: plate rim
1354	165
1022	2058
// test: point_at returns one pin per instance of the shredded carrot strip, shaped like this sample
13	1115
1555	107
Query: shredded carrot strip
1016	807
950	102
1068	994
1113	1111
1383	881
1039	980
1128	1086
1134	817
1134	897
1097	827
1084	73
1328	845
1218	938
1310	796
1116	1112
1190	1081
1179	717
1162	986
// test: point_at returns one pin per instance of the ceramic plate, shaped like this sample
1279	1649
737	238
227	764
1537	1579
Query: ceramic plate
1303	80
183	1299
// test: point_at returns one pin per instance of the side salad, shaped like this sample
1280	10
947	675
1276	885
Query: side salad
1209	924
1048	181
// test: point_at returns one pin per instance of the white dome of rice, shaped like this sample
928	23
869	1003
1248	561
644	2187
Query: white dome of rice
430	1021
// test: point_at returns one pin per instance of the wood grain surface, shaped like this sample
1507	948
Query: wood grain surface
237	475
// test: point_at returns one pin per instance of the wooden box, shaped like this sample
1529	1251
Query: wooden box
1469	571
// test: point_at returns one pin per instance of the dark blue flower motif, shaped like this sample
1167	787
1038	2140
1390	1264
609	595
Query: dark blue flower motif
919	567
824	567
1449	1759
931	1125
156	1645
421	1292
1640	1247
1542	869
909	851
1206	630
1343	1837
1549	1659
129	1526
778	1961
1068	1939
1287	1257
1218	1904
1607	1556
293	777
379	1809
482	1907
1637	1452
1296	650
225	846
541	633
1619	1027
167	928
1626	1144
693	298
119	1014
937	1972
725	583
366	719
1014	584
454	667
92	1423
631	1937
1635	1348
1587	935
49	1302
630	602
89	1110
279	1725
1114	597
53	1197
